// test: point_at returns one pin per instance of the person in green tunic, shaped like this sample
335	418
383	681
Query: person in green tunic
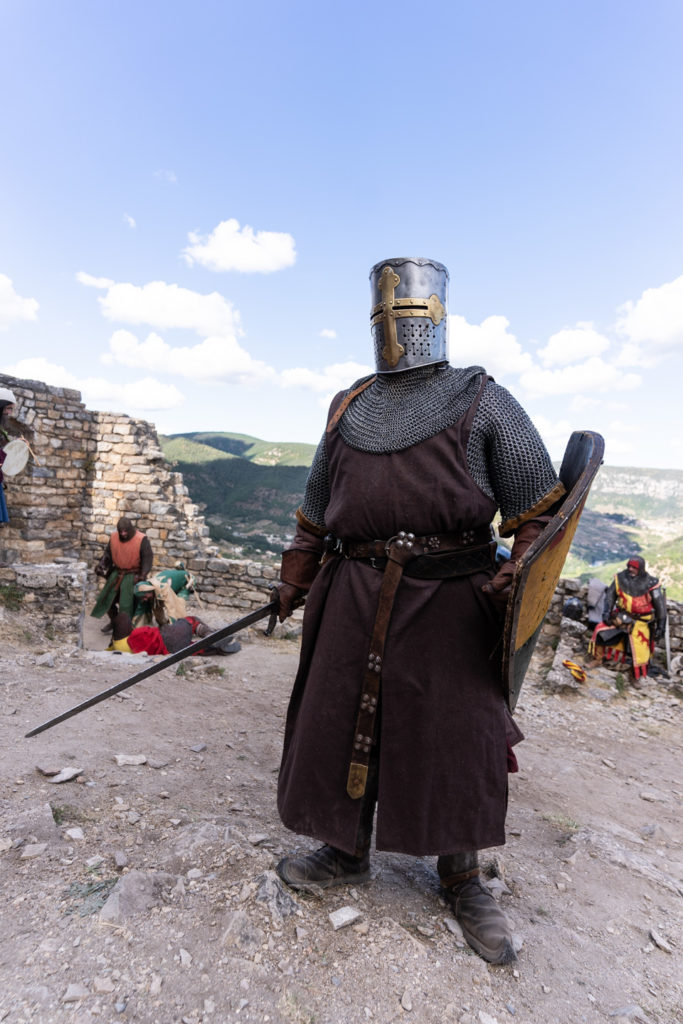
127	560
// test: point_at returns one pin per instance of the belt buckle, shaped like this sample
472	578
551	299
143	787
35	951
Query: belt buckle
402	539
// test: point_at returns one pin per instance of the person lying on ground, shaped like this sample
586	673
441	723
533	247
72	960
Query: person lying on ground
165	640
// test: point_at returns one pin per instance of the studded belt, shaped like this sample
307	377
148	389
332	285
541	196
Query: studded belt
468	552
427	545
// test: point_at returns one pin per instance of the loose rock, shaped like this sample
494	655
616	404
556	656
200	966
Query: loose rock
130	759
74	993
343	917
659	941
33	850
66	775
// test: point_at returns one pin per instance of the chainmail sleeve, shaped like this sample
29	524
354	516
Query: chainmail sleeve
317	493
508	460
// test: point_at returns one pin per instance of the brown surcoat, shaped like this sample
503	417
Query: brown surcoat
443	722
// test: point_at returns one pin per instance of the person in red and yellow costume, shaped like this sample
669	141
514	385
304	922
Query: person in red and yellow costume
633	617
127	559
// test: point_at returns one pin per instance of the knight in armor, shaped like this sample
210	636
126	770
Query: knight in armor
127	560
633	617
398	702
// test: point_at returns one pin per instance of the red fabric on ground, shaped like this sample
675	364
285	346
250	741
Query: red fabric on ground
146	638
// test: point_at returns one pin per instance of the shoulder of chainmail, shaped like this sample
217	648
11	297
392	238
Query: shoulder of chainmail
505	454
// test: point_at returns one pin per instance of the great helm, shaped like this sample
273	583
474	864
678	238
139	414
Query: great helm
408	315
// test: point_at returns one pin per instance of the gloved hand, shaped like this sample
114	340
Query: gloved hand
498	589
289	597
660	629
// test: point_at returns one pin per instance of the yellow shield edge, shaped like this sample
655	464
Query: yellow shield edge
538	571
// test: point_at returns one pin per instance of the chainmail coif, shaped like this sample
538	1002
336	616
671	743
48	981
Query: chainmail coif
505	454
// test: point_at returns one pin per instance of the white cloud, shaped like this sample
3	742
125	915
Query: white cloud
622	438
555	434
487	344
580	403
230	247
327	332
134	397
573	344
634	355
592	375
130	221
166	175
93	282
215	359
12	306
656	319
165	306
42	369
327	381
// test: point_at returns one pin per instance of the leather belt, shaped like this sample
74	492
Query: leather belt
399	554
426	545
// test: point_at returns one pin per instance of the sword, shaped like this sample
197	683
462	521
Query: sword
199	645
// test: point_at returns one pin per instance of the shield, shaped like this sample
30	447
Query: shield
538	571
16	457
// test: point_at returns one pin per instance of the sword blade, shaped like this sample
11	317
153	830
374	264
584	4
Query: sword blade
199	645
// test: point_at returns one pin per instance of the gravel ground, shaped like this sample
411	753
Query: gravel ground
145	892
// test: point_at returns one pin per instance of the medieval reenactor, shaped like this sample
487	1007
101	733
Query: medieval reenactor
398	700
162	597
7	408
127	560
633	617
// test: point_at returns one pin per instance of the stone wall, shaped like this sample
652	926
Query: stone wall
86	470
50	597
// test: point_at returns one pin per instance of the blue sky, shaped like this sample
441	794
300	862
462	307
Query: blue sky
192	195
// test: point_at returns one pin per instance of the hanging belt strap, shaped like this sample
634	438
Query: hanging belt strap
367	712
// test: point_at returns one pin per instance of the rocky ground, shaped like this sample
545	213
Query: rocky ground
142	888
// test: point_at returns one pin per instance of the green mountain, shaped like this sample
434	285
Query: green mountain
249	490
631	511
205	446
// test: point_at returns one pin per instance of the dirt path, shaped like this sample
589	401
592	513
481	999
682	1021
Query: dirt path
198	929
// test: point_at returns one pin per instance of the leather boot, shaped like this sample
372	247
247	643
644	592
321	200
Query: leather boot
483	923
324	868
329	866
